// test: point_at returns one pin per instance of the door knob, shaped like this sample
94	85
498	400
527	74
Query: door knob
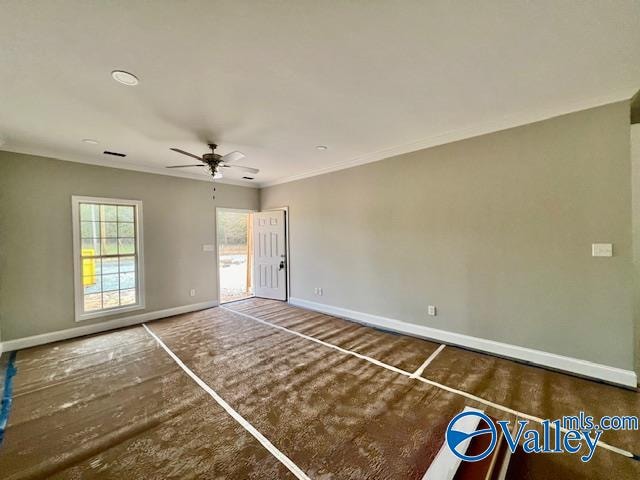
281	265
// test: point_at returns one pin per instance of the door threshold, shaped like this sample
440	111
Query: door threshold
237	299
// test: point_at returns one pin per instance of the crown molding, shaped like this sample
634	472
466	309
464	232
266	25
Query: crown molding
136	168
475	130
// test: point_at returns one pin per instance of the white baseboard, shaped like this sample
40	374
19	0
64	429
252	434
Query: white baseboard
35	340
558	362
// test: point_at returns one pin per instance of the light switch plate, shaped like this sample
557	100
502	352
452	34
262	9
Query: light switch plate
602	250
208	248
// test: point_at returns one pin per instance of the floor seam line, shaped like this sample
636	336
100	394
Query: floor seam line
286	461
470	396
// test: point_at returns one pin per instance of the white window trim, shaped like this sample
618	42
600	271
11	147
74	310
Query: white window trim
77	274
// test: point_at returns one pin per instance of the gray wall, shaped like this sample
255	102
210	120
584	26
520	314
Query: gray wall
635	182
36	255
495	231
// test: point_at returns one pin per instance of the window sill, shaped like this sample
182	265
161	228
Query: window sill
107	313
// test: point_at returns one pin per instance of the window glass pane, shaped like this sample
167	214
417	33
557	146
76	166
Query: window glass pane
90	229
92	302
127	280
110	299
109	229
128	297
127	245
108	213
126	230
91	267
108	262
92	284
89	212
90	247
110	282
109	265
127	264
125	213
109	246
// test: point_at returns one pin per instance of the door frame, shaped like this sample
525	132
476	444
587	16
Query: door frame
287	247
226	209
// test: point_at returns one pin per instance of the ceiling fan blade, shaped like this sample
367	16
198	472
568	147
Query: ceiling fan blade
184	166
232	157
244	169
186	153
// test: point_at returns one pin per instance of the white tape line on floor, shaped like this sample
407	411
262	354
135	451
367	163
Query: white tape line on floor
426	363
470	396
286	461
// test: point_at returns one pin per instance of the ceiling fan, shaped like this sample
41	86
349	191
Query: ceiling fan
215	162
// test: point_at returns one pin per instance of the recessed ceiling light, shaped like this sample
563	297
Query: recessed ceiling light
125	78
90	140
321	147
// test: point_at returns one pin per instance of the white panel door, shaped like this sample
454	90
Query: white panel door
269	255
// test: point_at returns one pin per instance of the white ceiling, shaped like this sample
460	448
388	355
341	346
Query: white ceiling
274	79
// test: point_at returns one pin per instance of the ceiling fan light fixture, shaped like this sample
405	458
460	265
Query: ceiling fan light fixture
214	162
125	78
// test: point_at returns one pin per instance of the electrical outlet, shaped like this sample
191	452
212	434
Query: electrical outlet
602	250
320	291
192	292
431	310
317	291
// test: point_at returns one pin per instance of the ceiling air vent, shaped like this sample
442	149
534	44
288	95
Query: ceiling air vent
248	178
115	154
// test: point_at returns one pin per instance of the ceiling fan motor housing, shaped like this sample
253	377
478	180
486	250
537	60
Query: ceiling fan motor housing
212	160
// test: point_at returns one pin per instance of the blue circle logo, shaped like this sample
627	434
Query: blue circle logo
456	435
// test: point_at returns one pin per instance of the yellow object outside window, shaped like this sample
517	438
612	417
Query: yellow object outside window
88	267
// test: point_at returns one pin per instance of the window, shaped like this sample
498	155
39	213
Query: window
107	241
